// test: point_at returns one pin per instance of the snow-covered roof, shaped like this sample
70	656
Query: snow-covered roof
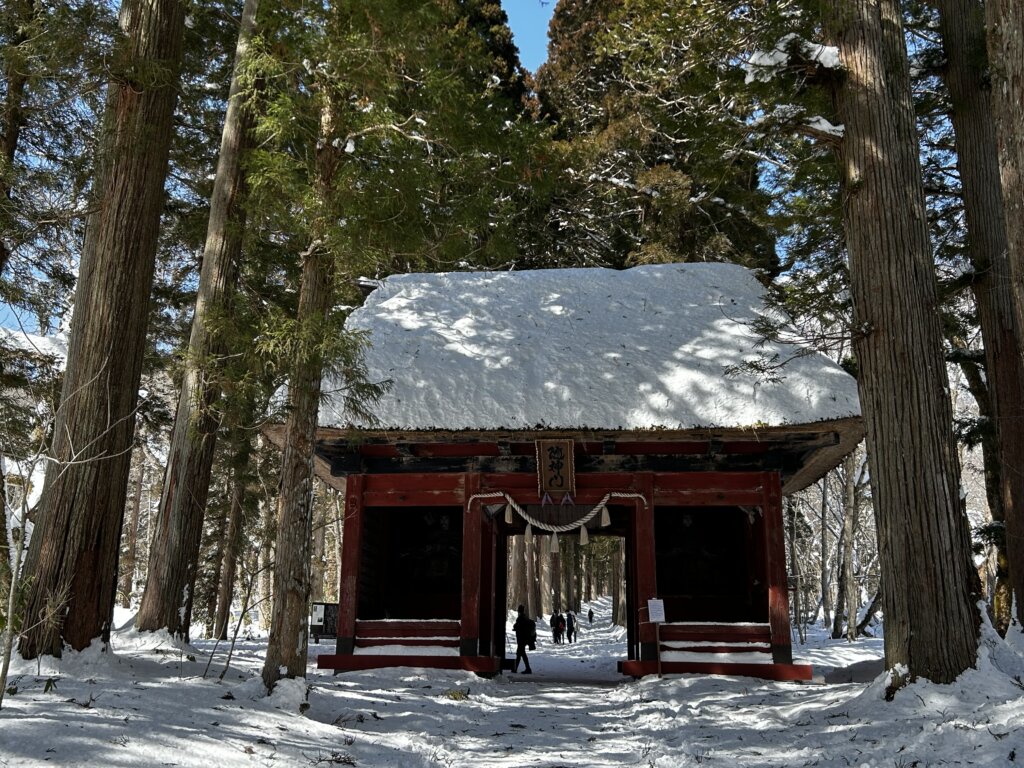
55	346
653	347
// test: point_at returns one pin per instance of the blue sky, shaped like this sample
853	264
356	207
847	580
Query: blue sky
529	22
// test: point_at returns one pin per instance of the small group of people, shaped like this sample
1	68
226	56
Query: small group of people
563	627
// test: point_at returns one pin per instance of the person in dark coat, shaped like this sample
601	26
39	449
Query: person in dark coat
526	635
554	627
590	615
570	626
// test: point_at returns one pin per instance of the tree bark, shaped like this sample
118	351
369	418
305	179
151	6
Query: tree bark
339	535
545	605
233	539
23	14
78	531
287	647
5	540
289	630
130	560
215	558
618	569
962	24
555	558
869	613
850	510
266	566
517	575
174	556
1005	22
533	604
927	575
837	618
316	593
826	585
795	562
1002	589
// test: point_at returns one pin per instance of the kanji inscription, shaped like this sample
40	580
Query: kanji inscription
556	470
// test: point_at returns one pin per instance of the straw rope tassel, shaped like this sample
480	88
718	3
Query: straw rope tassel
606	519
509	518
554	541
528	536
584	538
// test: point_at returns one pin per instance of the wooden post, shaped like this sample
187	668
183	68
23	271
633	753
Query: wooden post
499	593
471	561
775	565
644	559
351	549
488	600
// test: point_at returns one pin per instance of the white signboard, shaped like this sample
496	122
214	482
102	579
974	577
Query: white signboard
318	614
656	610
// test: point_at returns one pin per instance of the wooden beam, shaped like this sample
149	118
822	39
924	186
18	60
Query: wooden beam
472	515
371	642
766	648
646	562
351	546
775	561
733	633
783	672
483	665
407	628
488	599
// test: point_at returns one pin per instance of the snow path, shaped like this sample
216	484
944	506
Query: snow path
147	704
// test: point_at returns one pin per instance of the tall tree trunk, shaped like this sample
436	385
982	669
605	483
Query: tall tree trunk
233	540
266	578
22	16
519	594
588	575
544	581
78	531
215	559
924	543
962	24
287	647
339	534
850	510
1002	589
174	557
619	583
316	588
5	540
577	576
289	630
1005	21
826	586
130	559
795	562
533	606
555	558
837	618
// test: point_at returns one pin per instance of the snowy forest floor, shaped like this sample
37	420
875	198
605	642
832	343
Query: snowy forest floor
148	704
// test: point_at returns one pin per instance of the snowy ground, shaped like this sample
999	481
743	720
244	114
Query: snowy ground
148	704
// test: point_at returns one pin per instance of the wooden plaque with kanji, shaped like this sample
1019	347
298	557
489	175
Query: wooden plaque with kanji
556	471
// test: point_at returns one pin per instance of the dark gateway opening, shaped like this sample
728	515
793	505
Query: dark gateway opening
411	564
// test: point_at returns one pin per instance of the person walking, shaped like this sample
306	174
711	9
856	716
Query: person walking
590	615
570	626
526	636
